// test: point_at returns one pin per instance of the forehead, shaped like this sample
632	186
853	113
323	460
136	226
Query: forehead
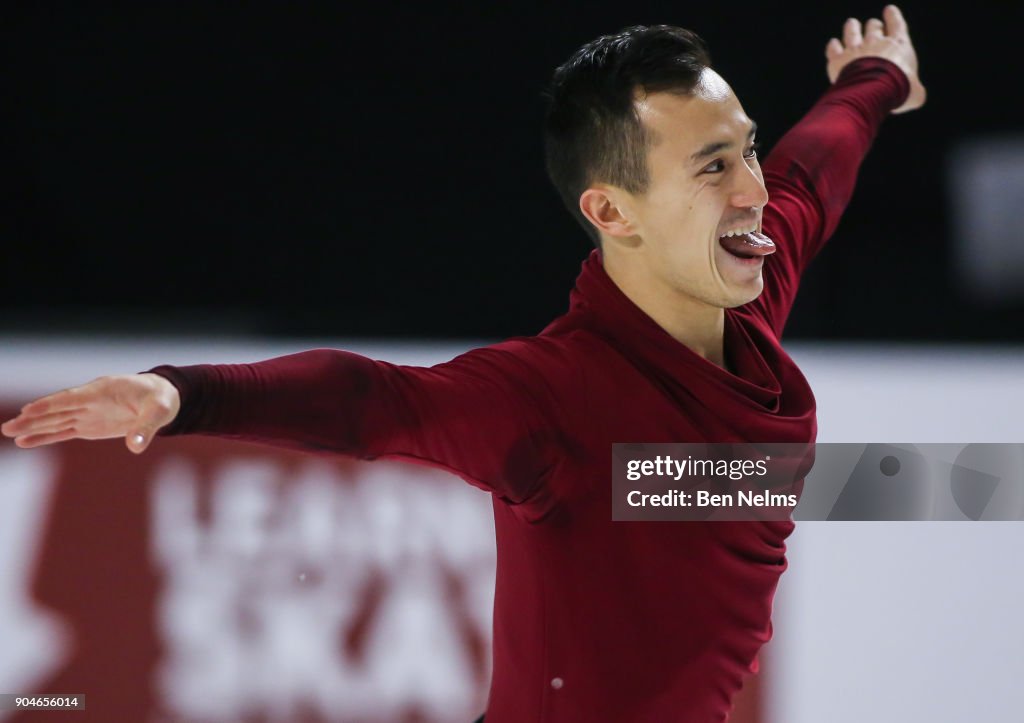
711	113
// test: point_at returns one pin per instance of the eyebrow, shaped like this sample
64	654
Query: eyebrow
712	148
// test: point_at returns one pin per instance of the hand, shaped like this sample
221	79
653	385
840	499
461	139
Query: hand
889	40
134	406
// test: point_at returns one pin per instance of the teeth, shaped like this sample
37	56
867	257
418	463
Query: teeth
739	232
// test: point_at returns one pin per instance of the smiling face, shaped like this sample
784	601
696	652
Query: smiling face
704	181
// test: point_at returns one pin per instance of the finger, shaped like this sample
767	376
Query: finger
13	426
7	427
38	440
833	48
32	424
874	28
851	33
895	25
58	401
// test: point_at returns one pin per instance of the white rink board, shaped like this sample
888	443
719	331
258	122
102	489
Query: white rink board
904	622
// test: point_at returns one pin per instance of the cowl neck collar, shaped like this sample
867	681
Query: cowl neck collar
598	304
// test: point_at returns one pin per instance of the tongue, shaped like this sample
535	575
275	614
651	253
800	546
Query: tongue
748	244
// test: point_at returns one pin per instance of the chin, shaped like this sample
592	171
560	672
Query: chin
741	299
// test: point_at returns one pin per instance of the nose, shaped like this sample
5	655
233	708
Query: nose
749	190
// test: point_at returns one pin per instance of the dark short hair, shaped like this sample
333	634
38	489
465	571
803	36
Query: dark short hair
591	130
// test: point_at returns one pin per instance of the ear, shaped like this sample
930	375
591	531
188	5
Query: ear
608	209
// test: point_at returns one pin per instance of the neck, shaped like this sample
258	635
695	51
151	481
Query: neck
697	325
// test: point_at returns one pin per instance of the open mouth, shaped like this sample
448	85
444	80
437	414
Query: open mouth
747	245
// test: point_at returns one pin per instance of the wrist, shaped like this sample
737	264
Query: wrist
167	393
879	69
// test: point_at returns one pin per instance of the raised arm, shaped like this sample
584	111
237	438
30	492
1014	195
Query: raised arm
811	172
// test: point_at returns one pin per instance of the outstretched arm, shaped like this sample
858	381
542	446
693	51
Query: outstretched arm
488	415
811	172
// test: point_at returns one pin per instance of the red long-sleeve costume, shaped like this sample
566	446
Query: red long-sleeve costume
594	621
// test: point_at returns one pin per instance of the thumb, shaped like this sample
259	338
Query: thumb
138	438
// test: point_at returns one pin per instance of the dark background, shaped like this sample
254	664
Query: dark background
375	169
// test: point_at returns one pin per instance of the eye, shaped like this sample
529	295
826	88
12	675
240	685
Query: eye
719	165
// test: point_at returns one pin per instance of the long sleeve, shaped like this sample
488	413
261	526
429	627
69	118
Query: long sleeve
811	172
487	415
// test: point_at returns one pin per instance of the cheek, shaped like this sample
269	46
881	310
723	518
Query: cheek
682	218
674	196
705	215
711	201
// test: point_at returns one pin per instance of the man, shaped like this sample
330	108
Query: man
672	336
